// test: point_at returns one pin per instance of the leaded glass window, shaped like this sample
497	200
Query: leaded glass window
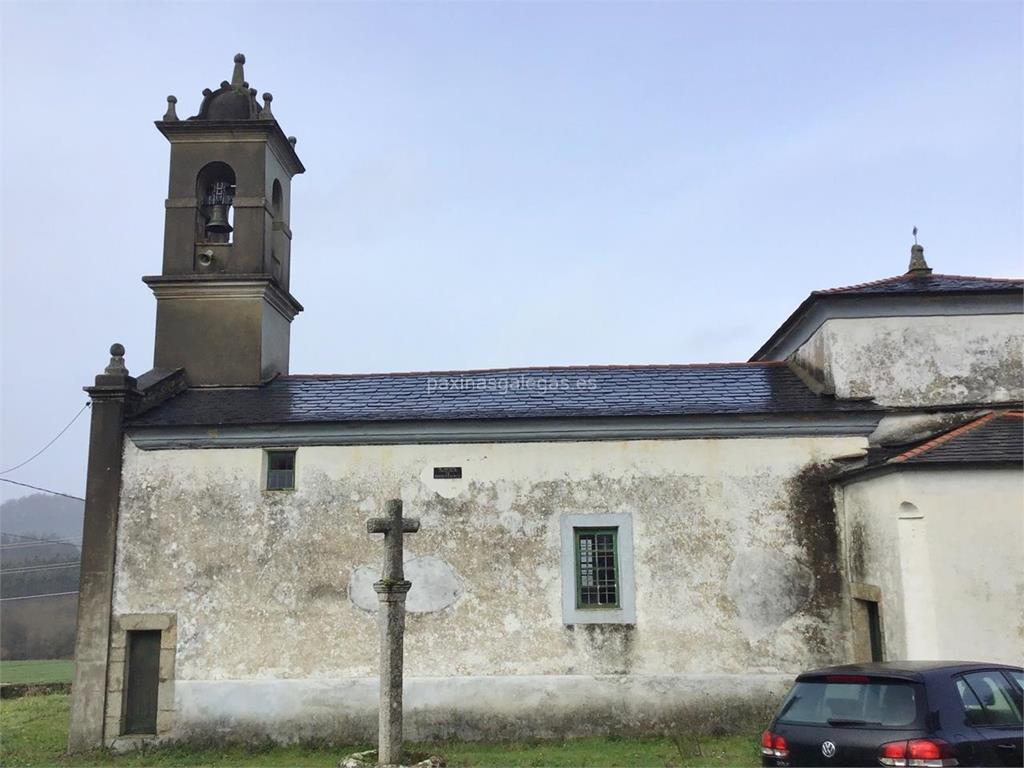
597	567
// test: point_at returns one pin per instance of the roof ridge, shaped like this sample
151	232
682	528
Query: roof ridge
980	277
867	284
945	438
908	276
612	367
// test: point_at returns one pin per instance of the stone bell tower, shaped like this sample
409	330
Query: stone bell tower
223	308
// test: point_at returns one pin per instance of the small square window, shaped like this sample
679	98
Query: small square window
597	568
280	470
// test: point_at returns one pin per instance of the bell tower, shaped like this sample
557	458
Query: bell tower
223	308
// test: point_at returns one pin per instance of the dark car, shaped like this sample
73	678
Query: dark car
900	714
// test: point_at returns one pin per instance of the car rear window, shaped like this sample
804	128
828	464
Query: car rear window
853	703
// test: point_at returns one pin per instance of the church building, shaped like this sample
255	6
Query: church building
615	549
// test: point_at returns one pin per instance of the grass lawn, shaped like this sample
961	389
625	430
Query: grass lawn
47	671
33	732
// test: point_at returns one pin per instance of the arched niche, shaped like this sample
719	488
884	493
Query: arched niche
908	510
277	202
215	195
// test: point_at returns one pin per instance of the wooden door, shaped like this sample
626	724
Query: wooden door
143	681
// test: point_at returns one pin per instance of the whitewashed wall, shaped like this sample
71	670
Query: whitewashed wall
928	360
945	548
736	565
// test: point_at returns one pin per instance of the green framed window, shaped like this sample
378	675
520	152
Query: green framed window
597	567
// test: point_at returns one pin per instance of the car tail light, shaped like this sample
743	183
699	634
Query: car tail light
894	753
917	753
847	679
924	749
773	745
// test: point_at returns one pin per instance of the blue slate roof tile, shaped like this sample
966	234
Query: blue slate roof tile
513	393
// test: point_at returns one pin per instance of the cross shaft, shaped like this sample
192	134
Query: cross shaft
391	591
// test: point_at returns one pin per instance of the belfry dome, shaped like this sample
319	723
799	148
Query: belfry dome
234	100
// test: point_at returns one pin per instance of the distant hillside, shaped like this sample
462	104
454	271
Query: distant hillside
42	513
28	568
39	555
43	628
23	552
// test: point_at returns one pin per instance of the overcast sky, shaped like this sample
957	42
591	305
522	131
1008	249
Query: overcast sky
496	184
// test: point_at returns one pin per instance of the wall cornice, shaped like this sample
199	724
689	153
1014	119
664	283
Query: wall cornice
503	431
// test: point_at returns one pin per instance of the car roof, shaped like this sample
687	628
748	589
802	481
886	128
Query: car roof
910	670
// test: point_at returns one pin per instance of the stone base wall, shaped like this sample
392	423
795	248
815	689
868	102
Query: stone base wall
344	711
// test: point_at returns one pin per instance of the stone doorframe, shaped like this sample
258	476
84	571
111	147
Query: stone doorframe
867	593
167	624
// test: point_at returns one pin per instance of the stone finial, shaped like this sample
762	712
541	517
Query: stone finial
267	114
170	116
116	366
292	140
238	75
918	266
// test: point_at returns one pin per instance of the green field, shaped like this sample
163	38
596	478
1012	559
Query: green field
48	671
33	732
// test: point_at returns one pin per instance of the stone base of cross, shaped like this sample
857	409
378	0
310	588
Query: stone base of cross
391	592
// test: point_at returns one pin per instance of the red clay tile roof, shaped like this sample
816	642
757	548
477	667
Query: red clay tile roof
995	437
929	283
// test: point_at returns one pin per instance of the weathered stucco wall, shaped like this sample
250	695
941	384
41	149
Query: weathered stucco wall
944	548
344	710
735	548
930	360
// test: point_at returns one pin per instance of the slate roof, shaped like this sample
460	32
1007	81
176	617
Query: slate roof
994	438
513	393
907	285
924	284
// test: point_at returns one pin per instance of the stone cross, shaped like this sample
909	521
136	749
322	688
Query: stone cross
391	591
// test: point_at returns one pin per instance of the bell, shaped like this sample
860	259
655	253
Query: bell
219	197
218	221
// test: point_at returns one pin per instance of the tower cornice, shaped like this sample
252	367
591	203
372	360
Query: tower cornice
269	131
225	286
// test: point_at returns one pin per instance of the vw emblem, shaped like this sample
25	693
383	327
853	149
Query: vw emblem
828	749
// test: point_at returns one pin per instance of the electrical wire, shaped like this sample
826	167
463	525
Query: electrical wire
23	536
40	542
54	440
32	568
44	490
29	597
